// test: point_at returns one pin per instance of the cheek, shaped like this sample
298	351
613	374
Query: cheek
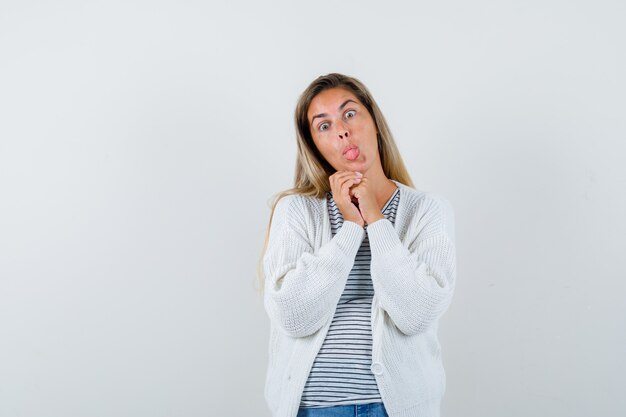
331	151
324	147
365	125
367	132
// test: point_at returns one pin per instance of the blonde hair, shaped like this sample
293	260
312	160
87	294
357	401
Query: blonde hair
312	170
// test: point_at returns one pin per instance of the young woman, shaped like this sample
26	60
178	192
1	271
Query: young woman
358	267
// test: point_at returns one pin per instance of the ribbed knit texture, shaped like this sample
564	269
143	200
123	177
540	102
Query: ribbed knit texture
341	373
413	272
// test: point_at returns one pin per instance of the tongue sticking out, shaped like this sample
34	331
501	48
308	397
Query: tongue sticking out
352	154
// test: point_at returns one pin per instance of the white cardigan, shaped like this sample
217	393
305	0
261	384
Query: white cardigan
413	270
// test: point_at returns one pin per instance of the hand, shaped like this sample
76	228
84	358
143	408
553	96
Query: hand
366	197
340	183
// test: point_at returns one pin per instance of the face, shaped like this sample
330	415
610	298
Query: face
343	131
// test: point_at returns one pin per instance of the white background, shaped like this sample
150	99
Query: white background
140	143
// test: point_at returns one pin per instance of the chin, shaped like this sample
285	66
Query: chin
359	166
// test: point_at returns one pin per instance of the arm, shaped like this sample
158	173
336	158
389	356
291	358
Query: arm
302	287
415	284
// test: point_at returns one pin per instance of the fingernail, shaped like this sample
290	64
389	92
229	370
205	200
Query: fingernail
358	174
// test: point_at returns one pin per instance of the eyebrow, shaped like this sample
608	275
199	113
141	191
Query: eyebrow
340	107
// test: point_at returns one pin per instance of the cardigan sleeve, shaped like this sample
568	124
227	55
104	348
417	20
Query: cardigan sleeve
303	285
415	283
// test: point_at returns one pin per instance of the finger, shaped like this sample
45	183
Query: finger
342	173
346	187
340	176
343	177
338	179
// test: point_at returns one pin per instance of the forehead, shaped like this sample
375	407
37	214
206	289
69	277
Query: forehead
328	101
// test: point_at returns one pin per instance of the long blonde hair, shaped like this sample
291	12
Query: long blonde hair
312	170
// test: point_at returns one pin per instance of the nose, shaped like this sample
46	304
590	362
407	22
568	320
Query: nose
342	132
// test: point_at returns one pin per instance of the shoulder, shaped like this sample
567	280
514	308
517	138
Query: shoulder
439	202
424	200
296	205
428	207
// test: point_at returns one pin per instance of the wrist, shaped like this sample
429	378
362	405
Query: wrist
375	218
360	222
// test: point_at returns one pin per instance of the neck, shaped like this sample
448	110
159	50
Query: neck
384	186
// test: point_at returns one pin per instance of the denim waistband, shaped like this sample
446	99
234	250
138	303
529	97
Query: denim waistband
352	410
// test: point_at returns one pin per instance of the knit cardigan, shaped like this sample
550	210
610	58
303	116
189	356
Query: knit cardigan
413	270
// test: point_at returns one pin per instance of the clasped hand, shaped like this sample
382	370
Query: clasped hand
355	197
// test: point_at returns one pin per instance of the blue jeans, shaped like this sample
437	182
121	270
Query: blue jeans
358	410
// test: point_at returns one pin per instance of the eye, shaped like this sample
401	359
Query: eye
324	126
350	114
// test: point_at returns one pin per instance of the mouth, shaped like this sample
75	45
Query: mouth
351	152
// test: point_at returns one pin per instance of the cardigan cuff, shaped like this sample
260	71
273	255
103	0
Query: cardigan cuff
349	238
382	236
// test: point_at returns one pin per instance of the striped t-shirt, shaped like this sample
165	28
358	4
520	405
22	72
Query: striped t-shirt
341	372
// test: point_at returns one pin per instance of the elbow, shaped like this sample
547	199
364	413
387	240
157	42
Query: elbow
292	322
412	327
297	329
296	332
421	320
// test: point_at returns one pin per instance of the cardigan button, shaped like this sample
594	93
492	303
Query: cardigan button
377	368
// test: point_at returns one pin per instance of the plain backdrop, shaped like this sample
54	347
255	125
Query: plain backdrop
141	142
